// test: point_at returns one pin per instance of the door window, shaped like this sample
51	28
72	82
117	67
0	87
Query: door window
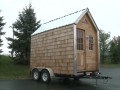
79	39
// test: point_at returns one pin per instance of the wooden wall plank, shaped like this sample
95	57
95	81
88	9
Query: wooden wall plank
53	49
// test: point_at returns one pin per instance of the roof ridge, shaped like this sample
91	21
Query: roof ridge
64	16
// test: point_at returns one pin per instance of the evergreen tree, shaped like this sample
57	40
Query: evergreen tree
24	26
104	45
1	33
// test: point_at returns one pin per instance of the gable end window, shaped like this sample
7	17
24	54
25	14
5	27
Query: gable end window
90	42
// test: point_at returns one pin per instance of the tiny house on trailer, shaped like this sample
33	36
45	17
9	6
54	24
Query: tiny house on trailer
65	47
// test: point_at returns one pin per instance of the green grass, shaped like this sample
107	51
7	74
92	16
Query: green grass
11	71
110	65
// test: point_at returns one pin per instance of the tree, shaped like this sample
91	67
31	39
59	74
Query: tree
24	26
1	33
115	50
104	45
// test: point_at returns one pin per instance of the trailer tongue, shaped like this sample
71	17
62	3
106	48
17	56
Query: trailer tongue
98	76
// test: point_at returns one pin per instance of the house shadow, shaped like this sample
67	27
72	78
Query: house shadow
61	84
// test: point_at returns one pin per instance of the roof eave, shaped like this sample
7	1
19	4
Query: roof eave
53	28
93	21
80	17
89	14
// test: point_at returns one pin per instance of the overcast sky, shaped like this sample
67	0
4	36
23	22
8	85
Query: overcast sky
106	13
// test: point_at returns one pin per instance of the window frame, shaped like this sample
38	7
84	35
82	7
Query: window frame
80	38
90	42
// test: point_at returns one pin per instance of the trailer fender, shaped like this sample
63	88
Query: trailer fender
51	72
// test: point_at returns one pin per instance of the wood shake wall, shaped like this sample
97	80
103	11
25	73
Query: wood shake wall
53	49
91	56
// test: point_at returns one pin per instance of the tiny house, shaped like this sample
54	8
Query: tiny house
65	47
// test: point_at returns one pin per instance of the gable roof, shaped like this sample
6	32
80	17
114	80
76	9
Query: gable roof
72	18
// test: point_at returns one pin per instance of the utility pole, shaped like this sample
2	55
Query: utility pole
13	40
30	2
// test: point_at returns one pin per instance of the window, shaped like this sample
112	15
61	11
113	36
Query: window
79	40
90	42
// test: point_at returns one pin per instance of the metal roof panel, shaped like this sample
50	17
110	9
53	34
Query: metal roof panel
59	22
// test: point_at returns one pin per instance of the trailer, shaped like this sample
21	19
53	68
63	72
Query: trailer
65	47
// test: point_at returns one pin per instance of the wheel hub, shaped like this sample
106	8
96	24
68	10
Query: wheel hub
44	76
36	75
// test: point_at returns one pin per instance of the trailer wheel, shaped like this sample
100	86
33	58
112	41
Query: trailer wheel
45	76
36	75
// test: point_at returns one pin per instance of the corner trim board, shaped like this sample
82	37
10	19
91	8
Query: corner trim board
75	50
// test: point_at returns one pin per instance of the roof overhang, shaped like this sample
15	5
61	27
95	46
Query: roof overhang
90	16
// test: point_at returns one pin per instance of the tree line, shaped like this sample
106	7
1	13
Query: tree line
109	48
27	23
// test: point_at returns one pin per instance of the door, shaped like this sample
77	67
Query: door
81	47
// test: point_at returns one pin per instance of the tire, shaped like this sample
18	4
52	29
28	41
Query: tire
36	75
45	76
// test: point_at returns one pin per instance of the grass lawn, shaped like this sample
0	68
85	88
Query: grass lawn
10	71
110	65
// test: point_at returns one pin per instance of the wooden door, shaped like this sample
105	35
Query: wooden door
81	47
